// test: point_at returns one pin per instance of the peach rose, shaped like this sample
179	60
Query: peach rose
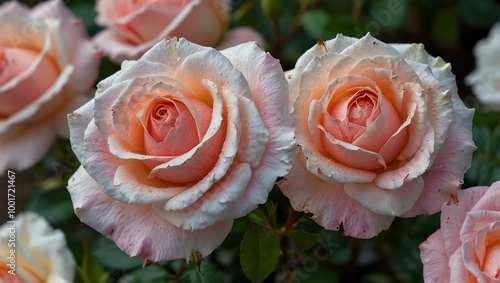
467	247
178	144
47	64
132	27
485	79
40	252
382	132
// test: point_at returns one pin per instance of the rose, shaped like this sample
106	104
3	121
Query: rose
485	79
382	134
467	247
178	144
132	27
47	64
239	35
35	251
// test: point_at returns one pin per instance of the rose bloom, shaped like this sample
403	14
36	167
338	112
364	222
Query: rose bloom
132	27
47	64
467	247
485	79
41	254
382	132
178	144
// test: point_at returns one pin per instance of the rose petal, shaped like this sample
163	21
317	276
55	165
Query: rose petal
329	205
137	229
386	202
458	271
435	259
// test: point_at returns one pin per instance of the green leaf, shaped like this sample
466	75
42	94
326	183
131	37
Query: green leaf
259	254
387	15
314	23
109	255
208	274
271	211
91	272
150	274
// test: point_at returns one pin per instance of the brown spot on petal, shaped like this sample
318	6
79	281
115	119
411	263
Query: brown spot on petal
322	45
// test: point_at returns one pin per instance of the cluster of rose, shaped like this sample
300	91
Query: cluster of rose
186	138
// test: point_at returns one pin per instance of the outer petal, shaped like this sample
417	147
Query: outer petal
329	205
435	259
138	229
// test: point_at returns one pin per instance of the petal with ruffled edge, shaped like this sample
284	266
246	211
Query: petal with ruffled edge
329	205
138	229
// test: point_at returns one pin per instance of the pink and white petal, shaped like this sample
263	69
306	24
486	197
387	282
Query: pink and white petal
138	229
336	45
213	150
83	53
213	205
143	68
14	8
239	35
386	202
368	46
471	262
117	48
458	271
435	259
491	199
475	221
22	148
400	172
119	178
329	205
444	177
78	121
453	216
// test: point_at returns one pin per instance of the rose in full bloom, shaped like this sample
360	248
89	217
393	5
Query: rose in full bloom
485	79
382	132
133	27
41	254
48	64
467	247
178	144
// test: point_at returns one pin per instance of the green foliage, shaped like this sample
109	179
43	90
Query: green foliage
109	255
478	13
259	254
55	205
150	274
208	273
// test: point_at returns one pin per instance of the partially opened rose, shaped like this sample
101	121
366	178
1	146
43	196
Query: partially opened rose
467	247
47	66
178	144
133	27
382	134
40	252
485	79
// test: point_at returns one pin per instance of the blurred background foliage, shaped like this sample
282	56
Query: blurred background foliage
274	244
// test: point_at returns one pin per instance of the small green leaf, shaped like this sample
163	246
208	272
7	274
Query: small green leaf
55	205
109	255
271	211
259	254
91	272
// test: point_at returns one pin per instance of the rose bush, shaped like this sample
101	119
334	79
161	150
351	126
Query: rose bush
382	132
467	247
47	65
485	79
41	254
178	144
132	27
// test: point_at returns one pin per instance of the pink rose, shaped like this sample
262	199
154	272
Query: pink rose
133	27
240	35
467	247
382	132
47	64
178	144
